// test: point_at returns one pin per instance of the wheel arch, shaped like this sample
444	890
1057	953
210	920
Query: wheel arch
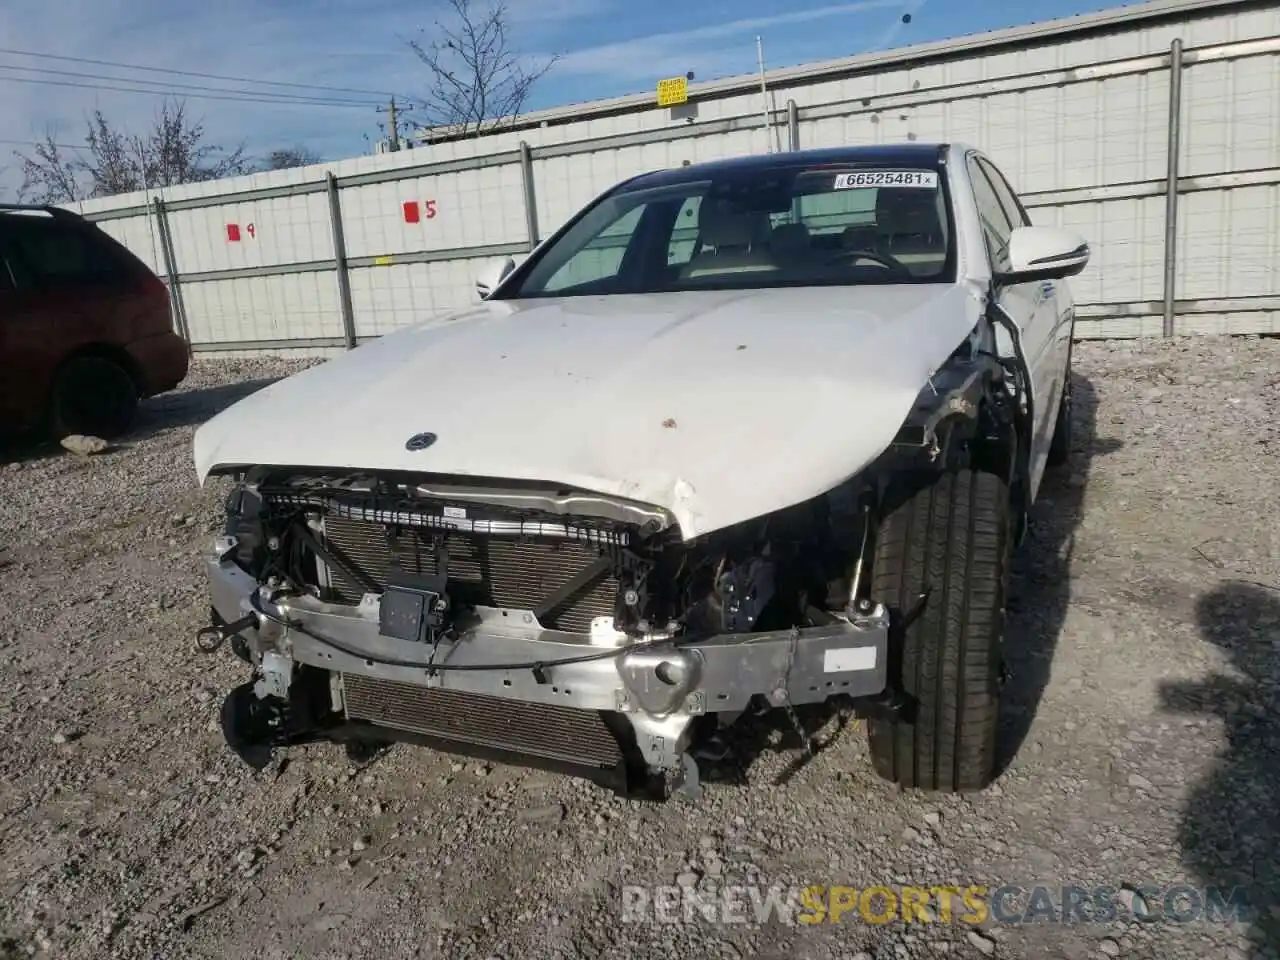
104	351
1005	451
999	445
966	418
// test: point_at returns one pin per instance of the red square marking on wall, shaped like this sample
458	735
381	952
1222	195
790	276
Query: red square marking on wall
233	232
411	212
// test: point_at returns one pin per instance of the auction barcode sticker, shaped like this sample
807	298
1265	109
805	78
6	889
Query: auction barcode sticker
925	179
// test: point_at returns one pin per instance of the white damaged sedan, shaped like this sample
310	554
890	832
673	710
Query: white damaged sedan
752	436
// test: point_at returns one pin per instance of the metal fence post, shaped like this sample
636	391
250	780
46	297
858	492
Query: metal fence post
340	262
1171	185
530	195
793	126
177	304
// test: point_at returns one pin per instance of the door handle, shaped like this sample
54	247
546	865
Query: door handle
1046	289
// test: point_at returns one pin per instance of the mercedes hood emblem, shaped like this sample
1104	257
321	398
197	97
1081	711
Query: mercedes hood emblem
420	441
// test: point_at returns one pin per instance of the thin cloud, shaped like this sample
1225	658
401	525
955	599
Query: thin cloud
638	58
345	43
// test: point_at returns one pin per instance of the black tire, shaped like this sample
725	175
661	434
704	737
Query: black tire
247	726
951	535
93	396
1060	446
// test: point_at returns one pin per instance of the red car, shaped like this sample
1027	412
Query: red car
85	327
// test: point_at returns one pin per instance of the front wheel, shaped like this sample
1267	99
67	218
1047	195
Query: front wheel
949	536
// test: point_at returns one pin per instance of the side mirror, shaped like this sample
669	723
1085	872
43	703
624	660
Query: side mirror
1043	253
493	274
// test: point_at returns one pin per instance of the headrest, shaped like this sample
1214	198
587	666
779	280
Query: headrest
860	236
725	224
907	211
789	237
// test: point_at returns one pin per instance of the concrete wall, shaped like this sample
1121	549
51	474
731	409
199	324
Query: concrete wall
1076	115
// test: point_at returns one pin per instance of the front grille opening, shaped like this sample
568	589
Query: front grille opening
486	571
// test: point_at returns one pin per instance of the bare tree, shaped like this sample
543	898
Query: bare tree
286	157
173	151
49	176
115	159
477	81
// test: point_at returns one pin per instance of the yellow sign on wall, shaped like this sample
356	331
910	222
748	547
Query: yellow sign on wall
673	91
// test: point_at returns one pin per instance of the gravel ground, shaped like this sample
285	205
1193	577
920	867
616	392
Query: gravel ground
1140	736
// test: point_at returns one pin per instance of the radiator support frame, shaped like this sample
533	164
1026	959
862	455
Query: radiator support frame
525	572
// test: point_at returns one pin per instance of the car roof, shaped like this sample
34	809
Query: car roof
890	155
39	213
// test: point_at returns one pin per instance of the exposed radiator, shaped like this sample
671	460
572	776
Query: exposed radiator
565	734
491	570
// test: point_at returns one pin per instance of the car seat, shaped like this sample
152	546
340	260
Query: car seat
732	240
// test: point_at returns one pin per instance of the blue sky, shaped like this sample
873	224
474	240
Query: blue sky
606	48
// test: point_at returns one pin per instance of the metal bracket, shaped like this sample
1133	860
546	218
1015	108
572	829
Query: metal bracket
277	676
747	590
686	782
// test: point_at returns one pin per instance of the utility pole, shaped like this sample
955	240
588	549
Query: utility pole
393	123
764	96
146	190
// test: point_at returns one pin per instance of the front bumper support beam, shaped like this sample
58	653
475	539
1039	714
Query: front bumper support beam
658	687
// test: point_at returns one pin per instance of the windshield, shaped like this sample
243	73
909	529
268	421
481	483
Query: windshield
749	229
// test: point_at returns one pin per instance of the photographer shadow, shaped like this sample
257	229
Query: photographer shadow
1230	829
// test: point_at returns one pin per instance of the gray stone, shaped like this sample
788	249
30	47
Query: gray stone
83	445
548	813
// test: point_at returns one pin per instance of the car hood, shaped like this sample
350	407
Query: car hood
718	406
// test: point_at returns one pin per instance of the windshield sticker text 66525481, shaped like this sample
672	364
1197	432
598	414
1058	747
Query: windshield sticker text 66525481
924	179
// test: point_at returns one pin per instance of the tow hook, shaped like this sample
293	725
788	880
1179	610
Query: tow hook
210	638
685	781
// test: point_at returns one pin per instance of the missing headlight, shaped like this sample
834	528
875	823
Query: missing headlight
245	511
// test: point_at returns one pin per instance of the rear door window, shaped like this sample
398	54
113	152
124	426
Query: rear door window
684	233
55	255
8	268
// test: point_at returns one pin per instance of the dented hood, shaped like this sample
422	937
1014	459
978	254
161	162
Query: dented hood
718	405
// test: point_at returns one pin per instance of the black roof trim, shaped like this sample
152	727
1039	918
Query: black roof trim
58	213
887	155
